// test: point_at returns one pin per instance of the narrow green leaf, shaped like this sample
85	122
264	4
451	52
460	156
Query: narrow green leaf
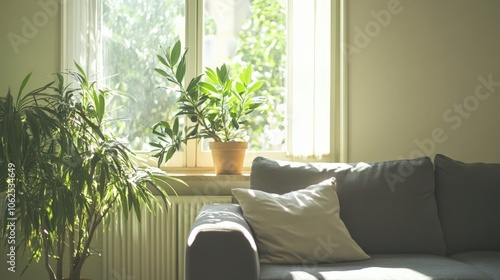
210	73
202	100
169	154
162	72
181	71
172	80
255	86
167	129
102	107
240	88
160	156
187	107
207	88
175	129
163	61
156	145
235	123
23	84
193	83
254	106
163	139
227	87
175	53
246	75
137	208
193	131
102	181
80	69
169	58
222	74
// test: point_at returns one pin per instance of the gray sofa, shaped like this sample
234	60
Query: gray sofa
416	220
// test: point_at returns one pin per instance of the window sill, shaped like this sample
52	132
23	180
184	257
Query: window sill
205	182
210	177
198	173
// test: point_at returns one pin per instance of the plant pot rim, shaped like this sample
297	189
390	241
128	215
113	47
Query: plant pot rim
228	145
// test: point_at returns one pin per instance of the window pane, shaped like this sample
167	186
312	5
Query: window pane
133	31
241	32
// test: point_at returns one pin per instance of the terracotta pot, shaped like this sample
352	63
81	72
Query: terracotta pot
228	157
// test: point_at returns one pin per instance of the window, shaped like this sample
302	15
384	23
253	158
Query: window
288	42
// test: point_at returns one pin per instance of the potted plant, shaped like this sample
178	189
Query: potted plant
70	172
217	107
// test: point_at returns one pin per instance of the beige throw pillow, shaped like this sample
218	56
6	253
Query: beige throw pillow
299	227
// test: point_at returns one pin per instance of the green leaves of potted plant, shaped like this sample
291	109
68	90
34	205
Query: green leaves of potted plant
217	107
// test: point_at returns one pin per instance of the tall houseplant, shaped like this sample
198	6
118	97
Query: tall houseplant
217	108
70	171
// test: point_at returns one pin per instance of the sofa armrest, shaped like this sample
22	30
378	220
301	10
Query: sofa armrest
221	245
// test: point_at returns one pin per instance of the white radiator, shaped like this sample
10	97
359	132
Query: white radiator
155	248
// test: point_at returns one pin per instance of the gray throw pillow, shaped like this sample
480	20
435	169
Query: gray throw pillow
299	227
468	196
388	207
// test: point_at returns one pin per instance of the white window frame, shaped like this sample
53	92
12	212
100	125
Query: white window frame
76	15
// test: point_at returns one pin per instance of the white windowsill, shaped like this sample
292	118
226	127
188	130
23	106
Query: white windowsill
203	182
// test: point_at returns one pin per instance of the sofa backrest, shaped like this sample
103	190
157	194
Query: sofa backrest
388	207
468	196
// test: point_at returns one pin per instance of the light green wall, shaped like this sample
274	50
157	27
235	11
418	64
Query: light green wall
37	27
413	69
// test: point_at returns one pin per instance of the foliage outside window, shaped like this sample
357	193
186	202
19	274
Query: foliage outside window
133	33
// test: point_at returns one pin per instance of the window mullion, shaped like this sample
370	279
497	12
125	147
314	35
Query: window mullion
194	28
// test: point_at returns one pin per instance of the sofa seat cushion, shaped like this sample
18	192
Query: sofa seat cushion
388	207
379	267
485	261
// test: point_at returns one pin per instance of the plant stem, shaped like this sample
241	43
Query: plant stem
50	271
71	234
60	260
225	126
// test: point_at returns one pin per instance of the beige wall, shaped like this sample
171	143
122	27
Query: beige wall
29	42
407	73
